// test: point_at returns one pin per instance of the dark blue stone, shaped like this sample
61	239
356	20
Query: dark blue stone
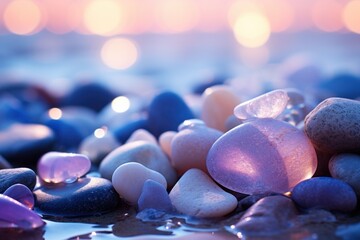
90	95
342	85
325	193
87	196
9	177
123	132
154	196
23	144
166	112
202	86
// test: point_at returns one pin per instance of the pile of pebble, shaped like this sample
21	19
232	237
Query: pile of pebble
272	157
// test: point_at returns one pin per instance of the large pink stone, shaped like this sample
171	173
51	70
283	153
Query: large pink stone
263	155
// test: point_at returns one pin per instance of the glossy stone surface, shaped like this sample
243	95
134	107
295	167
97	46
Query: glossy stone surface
87	196
155	196
129	178
9	177
57	167
196	194
333	126
268	105
264	155
325	193
22	194
15	215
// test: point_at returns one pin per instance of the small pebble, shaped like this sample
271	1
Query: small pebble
155	196
57	167
346	167
342	85
148	154
333	126
9	177
85	197
22	194
166	112
142	135
325	193
129	178
165	140
196	194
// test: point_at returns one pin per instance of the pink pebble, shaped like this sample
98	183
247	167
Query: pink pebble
142	135
165	141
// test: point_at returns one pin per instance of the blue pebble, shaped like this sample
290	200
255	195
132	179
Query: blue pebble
342	85
166	112
123	132
154	196
325	193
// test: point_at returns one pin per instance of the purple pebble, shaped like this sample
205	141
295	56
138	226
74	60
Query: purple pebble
15	215
22	194
154	196
325	193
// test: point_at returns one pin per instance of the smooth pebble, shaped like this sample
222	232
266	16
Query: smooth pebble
22	194
155	196
142	135
9	177
165	140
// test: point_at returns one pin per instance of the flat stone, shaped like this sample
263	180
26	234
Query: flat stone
87	196
333	126
196	194
9	177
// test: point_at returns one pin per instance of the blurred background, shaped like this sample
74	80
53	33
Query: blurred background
176	43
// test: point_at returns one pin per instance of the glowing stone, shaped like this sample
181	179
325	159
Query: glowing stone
268	105
22	194
263	155
57	167
15	215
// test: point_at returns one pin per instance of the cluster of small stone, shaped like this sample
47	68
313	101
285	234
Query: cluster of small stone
170	159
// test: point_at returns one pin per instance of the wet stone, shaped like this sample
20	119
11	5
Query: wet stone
21	193
87	196
9	177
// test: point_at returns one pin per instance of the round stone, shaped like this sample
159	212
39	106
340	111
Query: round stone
263	155
57	167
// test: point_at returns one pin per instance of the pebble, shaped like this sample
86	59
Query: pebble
165	140
196	194
268	105
23	144
16	215
129	178
4	164
124	131
85	197
218	104
22	194
263	155
325	193
342	85
142	135
270	215
166	112
333	126
190	146
154	196
346	167
148	154
9	177
57	167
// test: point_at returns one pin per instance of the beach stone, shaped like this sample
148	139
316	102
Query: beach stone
155	196
23	144
196	194
129	178
22	194
333	125
16	215
346	167
57	167
325	193
343	85
87	196
9	177
124	131
142	135
4	164
190	146
165	140
166	111
269	215
148	154
218	104
263	155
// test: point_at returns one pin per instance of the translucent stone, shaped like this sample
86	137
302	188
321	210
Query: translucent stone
16	215
268	105
57	167
295	110
191	123
22	194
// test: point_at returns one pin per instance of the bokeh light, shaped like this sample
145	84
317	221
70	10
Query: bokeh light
57	15
23	17
120	104
119	53
100	132
326	15
252	29
55	113
351	16
280	14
